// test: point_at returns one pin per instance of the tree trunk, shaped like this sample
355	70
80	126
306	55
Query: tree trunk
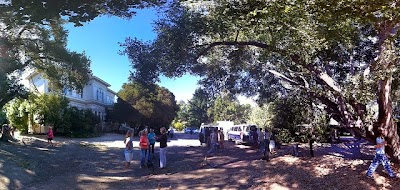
385	119
6	134
386	59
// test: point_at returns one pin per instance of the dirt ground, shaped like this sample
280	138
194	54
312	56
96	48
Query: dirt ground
97	163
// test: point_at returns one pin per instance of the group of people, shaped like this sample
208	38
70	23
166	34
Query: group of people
266	142
216	140
147	140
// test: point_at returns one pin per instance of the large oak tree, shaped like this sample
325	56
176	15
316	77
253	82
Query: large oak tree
342	54
156	105
32	36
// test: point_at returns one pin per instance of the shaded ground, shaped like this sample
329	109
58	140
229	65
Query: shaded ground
97	163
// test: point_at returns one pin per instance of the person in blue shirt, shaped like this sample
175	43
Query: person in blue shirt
152	141
380	156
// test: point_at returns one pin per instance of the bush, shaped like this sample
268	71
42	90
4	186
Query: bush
17	114
52	110
79	123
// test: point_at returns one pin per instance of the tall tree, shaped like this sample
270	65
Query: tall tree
122	112
156	104
198	107
32	36
262	116
226	107
340	53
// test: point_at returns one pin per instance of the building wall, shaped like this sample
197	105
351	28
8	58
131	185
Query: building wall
95	96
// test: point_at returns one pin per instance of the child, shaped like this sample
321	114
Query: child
128	148
144	145
50	136
380	156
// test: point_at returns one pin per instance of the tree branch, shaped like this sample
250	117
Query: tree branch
295	58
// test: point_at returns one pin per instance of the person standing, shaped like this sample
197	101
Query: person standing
267	136
144	145
152	140
171	132
380	156
272	143
128	148
163	147
213	141
50	136
221	139
261	139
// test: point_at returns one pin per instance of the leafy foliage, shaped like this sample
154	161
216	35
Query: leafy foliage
17	114
227	108
52	110
271	49
198	107
32	37
122	112
79	123
343	54
41	49
178	125
49	109
156	104
77	12
262	116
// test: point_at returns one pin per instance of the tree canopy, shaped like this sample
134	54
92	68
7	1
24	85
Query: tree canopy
339	53
32	36
46	11
156	104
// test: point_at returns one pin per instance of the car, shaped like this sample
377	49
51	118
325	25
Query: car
187	130
195	131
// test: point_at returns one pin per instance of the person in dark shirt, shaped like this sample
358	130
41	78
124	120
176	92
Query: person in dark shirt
163	147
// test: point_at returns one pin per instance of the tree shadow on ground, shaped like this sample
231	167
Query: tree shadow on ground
89	166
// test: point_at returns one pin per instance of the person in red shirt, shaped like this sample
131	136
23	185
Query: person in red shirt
50	136
144	146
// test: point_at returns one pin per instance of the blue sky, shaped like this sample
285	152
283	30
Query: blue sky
99	39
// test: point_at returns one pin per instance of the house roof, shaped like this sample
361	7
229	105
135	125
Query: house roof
111	91
100	80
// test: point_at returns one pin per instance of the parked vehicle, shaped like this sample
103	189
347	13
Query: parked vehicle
195	131
187	130
204	133
243	133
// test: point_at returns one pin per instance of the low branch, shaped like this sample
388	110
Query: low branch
295	58
234	43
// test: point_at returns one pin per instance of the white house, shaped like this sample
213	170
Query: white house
95	96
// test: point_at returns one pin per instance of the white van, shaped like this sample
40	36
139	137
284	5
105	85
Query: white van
241	133
204	132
